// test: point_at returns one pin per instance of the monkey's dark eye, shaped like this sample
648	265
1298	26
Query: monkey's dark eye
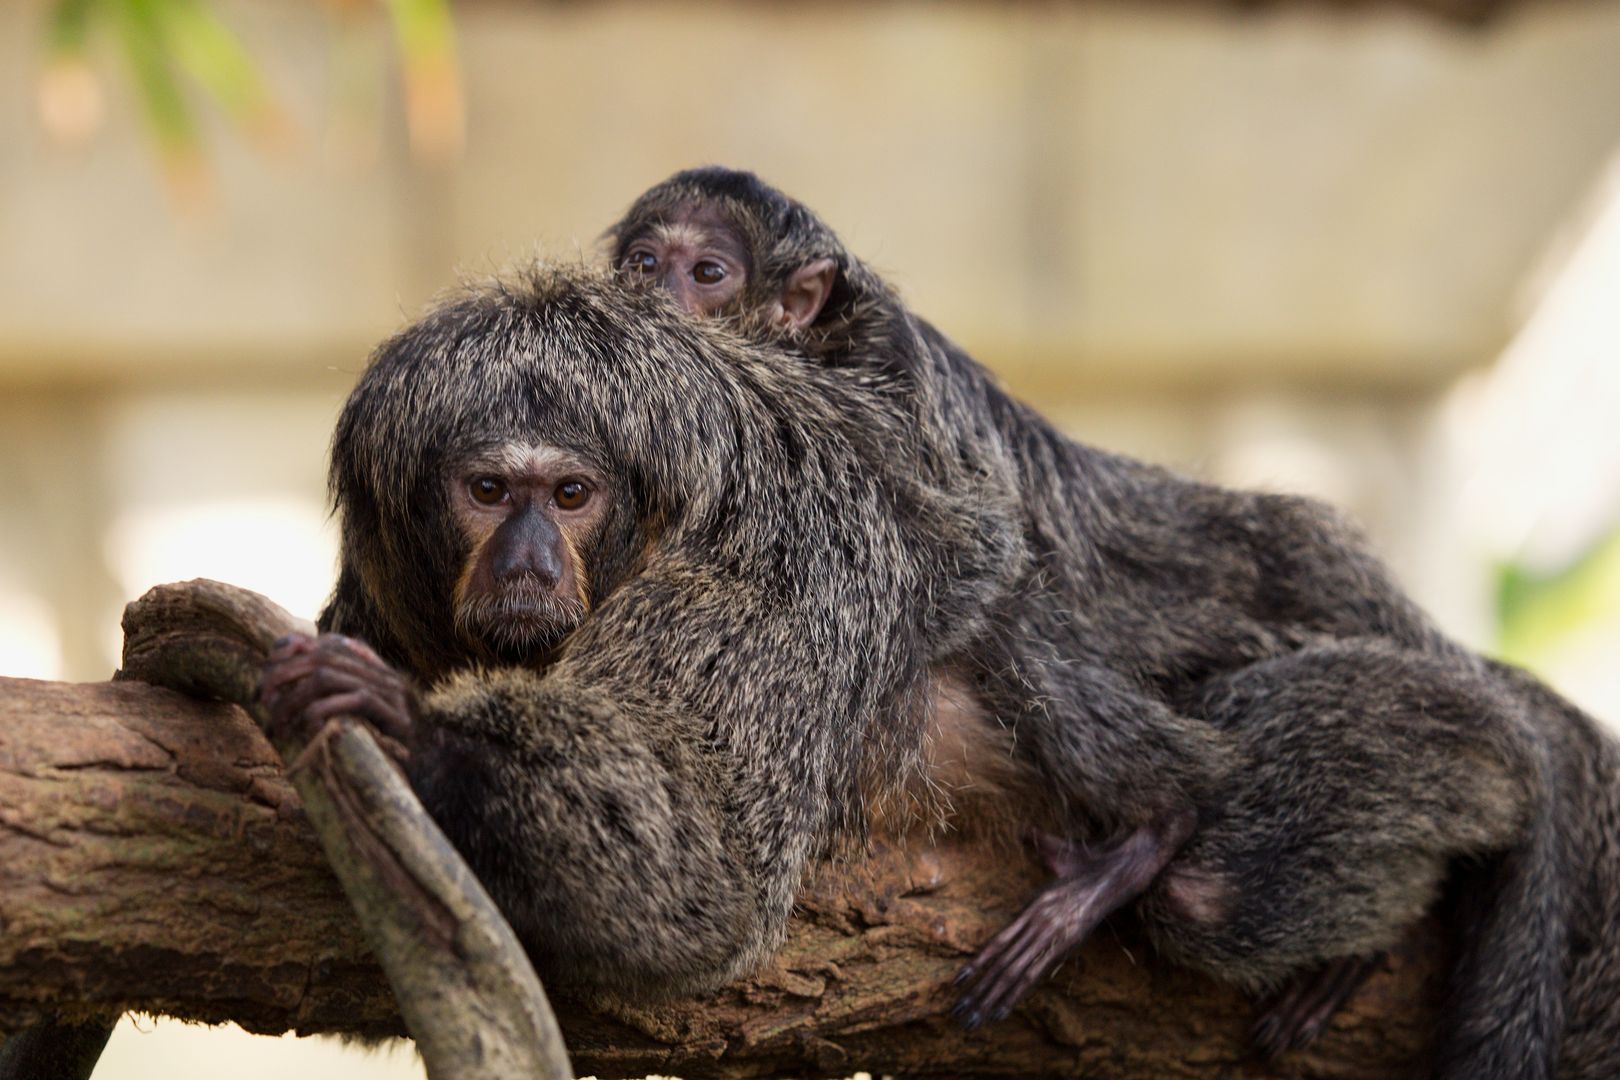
571	494
487	490
642	262
708	273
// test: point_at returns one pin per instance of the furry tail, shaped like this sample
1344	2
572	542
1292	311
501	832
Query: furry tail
1505	1009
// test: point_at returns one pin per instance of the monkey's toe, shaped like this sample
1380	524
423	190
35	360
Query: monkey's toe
1010	965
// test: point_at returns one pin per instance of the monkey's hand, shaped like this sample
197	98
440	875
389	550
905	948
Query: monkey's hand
307	681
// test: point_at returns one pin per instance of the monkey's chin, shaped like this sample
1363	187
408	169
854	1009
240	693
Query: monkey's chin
519	628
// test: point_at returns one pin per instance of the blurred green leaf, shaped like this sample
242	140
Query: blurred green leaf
163	40
210	53
1538	612
423	28
143	34
68	27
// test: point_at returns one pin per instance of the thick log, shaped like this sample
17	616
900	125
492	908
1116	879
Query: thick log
153	857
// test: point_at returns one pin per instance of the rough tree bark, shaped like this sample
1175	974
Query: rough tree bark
154	857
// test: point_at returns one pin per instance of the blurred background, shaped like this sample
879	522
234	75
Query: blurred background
1369	251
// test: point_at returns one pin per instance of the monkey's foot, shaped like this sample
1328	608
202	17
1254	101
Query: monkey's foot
1299	1014
1062	915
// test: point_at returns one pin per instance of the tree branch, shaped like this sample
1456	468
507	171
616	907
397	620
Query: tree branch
154	857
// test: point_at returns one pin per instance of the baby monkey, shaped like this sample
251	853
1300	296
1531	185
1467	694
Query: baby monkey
1226	712
721	264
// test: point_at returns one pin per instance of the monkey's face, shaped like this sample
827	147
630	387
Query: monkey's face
696	255
709	254
529	516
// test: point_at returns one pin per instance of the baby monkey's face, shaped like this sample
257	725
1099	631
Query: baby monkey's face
702	259
696	256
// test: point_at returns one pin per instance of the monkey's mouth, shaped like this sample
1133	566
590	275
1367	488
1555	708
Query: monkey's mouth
520	623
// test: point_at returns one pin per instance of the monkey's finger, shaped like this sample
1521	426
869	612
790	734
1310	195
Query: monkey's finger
1025	963
305	663
383	697
384	714
294	695
277	680
353	647
392	728
1008	935
1296	1017
290	645
983	969
1039	959
356	666
277	673
1263	1036
362	669
1310	1014
338	650
1004	987
1276	1034
1330	992
975	974
360	703
331	646
281	656
990	959
1057	921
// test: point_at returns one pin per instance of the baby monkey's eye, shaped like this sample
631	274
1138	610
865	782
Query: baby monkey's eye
708	272
488	490
643	262
571	494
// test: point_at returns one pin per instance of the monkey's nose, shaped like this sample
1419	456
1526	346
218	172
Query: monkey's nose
539	565
528	547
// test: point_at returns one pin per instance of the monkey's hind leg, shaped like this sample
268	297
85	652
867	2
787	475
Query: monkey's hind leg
1090	886
1295	1017
1367	773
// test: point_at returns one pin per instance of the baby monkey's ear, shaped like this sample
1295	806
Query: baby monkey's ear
806	293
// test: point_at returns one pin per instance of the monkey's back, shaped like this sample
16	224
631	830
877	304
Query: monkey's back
1164	577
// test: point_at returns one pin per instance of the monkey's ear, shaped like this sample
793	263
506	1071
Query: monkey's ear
806	292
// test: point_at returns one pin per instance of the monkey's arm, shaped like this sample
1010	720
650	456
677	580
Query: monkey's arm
609	854
644	811
1131	777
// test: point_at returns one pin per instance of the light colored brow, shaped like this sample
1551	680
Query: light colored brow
516	458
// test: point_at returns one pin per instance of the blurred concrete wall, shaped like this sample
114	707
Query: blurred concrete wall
1231	230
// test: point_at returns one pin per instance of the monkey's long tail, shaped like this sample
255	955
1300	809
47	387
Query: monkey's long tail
1505	1002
